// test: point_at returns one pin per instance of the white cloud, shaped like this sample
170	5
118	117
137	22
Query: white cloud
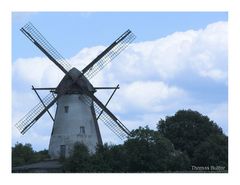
203	52
38	71
148	73
147	95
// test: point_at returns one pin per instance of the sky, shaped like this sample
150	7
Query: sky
177	61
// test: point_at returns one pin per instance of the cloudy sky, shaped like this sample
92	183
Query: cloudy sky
178	61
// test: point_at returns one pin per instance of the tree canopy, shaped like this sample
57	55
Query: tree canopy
24	154
198	136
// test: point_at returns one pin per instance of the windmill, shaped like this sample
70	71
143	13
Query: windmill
78	109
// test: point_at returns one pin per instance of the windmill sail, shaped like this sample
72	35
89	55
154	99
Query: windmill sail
35	90
108	101
112	124
108	54
33	115
108	118
37	38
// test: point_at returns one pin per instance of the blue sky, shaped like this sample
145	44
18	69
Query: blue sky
178	61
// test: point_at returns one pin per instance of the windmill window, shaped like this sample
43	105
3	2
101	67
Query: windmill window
62	151
82	130
66	108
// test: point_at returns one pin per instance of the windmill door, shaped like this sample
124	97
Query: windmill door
62	151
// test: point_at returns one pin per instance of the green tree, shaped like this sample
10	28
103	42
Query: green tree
187	129
179	162
22	154
148	151
109	158
197	136
78	160
213	152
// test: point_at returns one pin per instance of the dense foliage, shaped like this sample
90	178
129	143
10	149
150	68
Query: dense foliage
201	139
24	154
146	151
180	142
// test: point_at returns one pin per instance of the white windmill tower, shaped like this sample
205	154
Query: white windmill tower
78	109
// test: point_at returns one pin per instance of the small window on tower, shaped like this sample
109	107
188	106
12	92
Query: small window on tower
82	130
66	109
62	150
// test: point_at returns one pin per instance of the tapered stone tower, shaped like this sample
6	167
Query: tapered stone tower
75	122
